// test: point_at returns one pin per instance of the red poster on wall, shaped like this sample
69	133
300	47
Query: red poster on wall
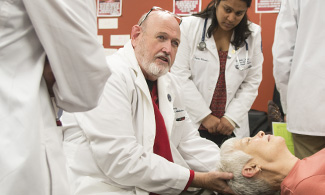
186	7
109	8
267	6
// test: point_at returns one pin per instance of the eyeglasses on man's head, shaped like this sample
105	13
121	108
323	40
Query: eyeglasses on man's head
155	8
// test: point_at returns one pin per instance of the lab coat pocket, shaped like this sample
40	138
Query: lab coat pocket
198	64
178	125
77	150
73	139
80	159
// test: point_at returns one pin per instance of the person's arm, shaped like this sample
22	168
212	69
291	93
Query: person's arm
68	33
202	156
283	49
247	90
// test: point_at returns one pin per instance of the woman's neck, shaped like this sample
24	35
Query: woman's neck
275	172
222	39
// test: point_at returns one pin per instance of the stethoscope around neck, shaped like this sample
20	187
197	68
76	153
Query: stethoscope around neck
202	46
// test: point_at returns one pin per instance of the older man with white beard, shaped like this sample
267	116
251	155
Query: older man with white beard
139	139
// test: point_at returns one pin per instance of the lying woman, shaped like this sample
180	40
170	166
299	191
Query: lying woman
264	165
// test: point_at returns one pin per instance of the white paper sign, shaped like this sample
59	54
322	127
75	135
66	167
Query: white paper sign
119	40
107	23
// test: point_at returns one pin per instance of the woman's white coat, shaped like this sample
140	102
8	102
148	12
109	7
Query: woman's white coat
199	72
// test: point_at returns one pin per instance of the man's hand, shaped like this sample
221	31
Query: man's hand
225	127
214	181
211	123
48	76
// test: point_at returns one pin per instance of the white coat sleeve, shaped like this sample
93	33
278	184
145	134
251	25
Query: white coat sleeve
68	33
200	154
283	49
194	101
111	131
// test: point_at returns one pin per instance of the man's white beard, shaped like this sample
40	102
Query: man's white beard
157	70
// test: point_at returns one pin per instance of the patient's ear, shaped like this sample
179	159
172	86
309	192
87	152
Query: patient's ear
250	169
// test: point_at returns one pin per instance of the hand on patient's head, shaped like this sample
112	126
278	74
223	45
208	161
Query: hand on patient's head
246	179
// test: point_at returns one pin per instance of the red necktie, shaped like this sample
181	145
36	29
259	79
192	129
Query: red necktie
161	145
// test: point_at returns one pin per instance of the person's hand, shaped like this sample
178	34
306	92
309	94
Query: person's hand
225	127
49	77
285	118
211	123
214	181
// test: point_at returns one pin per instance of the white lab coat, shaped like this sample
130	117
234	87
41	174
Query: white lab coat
199	72
31	156
110	148
299	64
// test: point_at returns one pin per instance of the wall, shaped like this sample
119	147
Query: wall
133	9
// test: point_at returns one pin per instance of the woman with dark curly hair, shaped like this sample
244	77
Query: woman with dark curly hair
220	62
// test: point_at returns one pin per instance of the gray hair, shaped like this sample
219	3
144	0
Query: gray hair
144	23
142	18
233	160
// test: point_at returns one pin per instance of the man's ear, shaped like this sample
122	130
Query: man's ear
136	31
250	169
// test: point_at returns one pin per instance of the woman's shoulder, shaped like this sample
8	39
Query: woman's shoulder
191	21
254	28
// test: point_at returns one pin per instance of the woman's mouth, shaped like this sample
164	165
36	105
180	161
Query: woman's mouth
228	25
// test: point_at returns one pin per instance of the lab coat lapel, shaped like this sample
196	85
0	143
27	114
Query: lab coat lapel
211	47
231	59
143	86
149	130
140	80
166	99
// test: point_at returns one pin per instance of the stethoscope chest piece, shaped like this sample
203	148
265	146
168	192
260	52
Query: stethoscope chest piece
201	46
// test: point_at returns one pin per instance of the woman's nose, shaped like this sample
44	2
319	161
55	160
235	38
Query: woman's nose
259	134
232	17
